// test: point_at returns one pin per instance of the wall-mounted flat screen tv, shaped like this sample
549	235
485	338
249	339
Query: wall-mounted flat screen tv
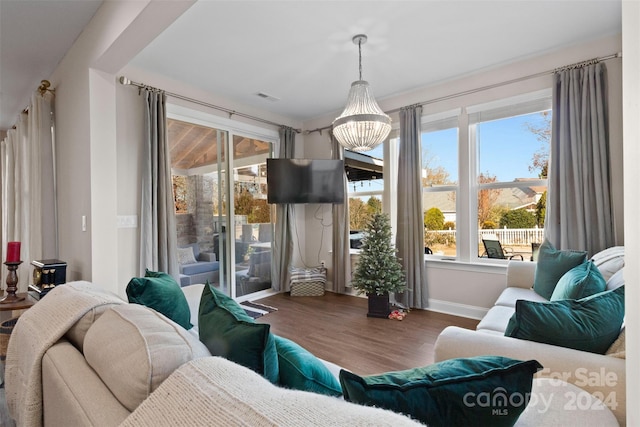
305	181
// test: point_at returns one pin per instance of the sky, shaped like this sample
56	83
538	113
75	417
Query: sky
506	150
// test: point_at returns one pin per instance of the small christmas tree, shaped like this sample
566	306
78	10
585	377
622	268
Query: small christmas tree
378	272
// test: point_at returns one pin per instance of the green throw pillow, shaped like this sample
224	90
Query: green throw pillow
483	390
228	331
551	266
579	282
161	292
588	324
301	370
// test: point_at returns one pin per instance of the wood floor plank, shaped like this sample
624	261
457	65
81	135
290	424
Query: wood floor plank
335	327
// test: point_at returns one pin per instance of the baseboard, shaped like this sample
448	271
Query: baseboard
456	309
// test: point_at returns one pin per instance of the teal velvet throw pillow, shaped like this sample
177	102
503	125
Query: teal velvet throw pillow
552	265
579	282
228	331
160	291
483	390
589	324
301	370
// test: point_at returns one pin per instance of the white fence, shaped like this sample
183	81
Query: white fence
507	236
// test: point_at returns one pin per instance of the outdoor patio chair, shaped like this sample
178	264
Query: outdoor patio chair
535	248
493	249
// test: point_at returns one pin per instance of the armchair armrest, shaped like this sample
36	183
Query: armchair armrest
207	256
603	376
520	274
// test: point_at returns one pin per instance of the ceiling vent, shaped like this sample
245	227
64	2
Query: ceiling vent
267	96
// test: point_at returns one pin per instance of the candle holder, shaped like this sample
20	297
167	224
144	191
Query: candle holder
12	284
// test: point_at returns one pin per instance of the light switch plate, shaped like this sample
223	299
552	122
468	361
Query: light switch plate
127	221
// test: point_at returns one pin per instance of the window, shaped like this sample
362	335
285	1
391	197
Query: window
439	145
511	140
365	176
484	176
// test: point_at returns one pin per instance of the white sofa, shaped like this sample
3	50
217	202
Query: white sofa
84	357
601	375
94	360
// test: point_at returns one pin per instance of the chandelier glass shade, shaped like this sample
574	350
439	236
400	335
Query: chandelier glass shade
362	125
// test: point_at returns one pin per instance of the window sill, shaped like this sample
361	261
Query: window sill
450	263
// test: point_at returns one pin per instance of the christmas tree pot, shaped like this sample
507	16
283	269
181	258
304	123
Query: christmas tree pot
378	305
379	271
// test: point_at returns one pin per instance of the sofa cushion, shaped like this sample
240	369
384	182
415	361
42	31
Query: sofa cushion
510	295
186	256
161	292
133	349
616	280
555	403
193	293
200	267
579	282
453	392
618	348
587	324
551	266
228	331
75	335
496	319
301	370
609	261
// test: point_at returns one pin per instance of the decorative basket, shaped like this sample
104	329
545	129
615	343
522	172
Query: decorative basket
307	289
308	282
6	328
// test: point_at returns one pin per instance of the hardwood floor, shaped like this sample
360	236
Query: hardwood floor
336	328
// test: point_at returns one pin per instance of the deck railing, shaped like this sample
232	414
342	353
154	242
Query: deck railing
515	236
506	236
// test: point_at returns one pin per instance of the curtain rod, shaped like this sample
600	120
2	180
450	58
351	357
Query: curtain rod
125	81
42	90
495	85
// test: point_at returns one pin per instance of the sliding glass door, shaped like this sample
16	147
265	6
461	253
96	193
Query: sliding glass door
220	194
253	216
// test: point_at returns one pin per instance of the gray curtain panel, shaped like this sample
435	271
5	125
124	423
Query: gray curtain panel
158	239
341	258
285	215
579	210
410	230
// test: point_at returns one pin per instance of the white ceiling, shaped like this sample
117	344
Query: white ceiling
34	36
301	51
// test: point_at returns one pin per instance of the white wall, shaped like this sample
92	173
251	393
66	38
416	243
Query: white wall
631	104
130	133
459	288
85	105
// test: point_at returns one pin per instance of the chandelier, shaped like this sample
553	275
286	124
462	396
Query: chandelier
362	125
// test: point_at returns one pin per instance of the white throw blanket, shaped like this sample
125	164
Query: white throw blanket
212	391
38	329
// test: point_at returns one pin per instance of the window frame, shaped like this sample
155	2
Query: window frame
231	128
432	123
527	103
466	116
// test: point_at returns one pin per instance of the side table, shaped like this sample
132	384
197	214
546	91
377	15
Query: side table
8	312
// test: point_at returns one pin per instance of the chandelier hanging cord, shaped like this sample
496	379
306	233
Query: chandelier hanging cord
360	38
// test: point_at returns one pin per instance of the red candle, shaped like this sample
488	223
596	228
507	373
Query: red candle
13	251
